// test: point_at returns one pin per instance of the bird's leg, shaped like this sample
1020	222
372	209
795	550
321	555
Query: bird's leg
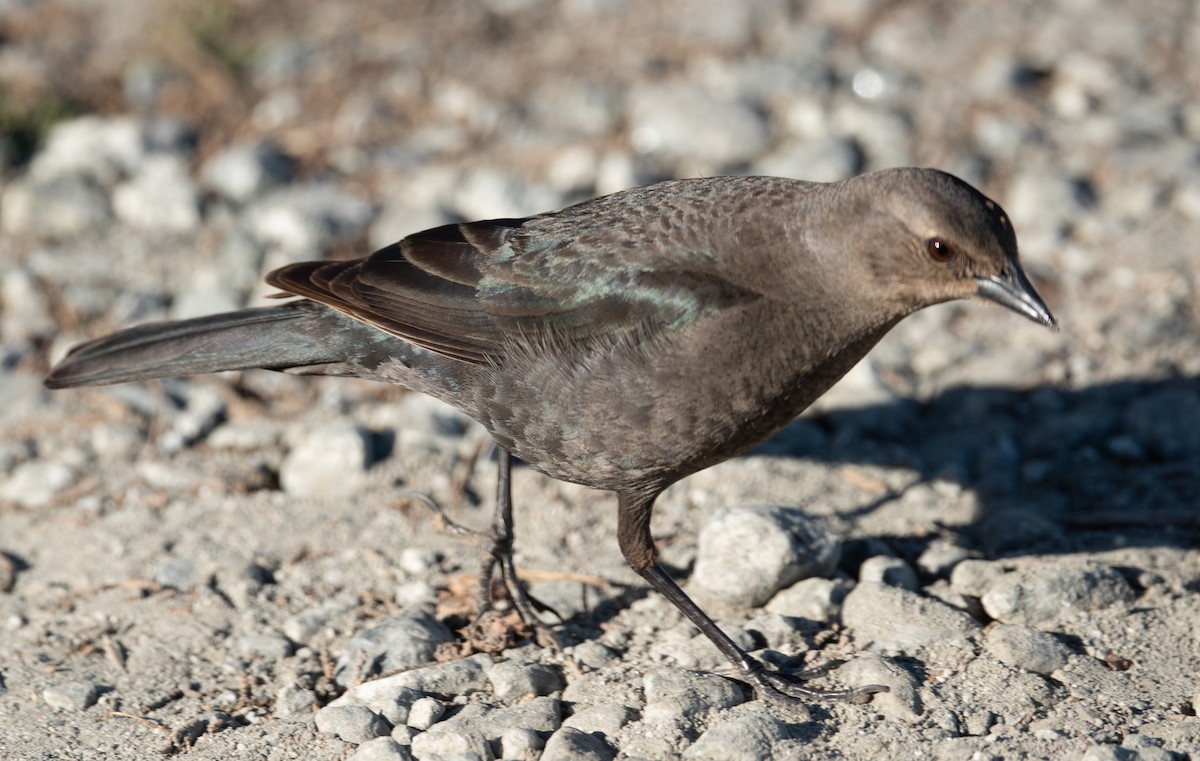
633	533
498	545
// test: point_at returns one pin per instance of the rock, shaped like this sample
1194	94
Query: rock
328	462
303	626
71	696
26	315
245	170
975	577
1049	592
381	749
885	569
592	654
176	573
682	124
352	724
160	197
487	194
272	647
519	744
893	619
604	720
901	702
512	680
750	736
57	207
570	744
674	692
305	220
824	159
294	700
814	598
788	546
424	713
1027	648
401	218
36	483
92	147
402	641
940	558
448	679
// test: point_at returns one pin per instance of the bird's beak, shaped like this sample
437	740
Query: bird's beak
1013	290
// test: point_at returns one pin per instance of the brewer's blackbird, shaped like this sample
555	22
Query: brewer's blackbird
624	342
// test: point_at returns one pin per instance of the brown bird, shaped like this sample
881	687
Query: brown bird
624	342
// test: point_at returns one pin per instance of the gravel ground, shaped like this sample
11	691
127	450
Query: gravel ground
997	521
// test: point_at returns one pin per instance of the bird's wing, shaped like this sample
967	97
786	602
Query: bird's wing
469	290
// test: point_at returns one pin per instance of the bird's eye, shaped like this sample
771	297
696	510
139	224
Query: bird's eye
939	250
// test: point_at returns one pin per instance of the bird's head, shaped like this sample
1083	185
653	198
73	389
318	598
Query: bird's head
944	240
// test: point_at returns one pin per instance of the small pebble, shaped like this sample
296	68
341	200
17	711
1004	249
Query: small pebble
815	598
176	573
402	641
513	679
329	462
519	744
894	619
570	744
1044	594
788	546
424	713
1027	648
889	570
381	749
749	736
294	700
604	719
674	692
352	724
71	696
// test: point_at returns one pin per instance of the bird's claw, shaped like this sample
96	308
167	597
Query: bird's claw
789	690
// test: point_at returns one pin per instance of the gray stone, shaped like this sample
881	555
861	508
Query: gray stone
453	678
1027	648
512	680
606	719
941	557
1048	593
269	646
424	713
330	461
402	641
788	546
592	654
381	749
487	193
885	569
26	314
975	577
353	724
674	692
161	197
902	701
294	700
93	147
519	744
893	619
683	124
823	159
36	483
303	626
814	598
401	218
71	696
570	744
244	170
750	736
58	207
176	573
305	220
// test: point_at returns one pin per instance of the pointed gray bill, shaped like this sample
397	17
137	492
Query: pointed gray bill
1013	290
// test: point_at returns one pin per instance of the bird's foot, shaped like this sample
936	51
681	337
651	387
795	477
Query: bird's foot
790	691
497	551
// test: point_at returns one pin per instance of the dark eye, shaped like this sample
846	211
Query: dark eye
939	250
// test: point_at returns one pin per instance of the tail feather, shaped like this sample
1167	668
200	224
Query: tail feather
275	338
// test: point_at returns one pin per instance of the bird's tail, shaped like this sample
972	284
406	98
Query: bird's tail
276	338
